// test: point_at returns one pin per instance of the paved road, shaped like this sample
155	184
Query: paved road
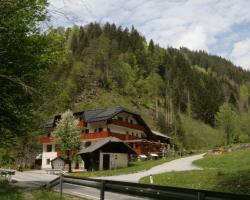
94	194
33	179
38	178
181	164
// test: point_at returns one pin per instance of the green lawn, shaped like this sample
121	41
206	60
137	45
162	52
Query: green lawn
229	172
8	192
132	168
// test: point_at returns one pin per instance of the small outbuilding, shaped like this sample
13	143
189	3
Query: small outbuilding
58	163
104	154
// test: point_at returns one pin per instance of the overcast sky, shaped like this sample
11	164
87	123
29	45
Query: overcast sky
220	27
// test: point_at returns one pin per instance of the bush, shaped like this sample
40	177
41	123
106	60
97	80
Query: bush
244	138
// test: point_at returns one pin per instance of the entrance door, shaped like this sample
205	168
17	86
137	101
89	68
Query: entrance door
106	160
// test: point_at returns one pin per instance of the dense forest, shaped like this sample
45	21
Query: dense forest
177	91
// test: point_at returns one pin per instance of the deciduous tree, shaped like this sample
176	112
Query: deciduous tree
67	134
227	120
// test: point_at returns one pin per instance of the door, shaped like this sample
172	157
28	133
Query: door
106	161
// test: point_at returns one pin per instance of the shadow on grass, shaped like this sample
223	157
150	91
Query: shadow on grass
234	182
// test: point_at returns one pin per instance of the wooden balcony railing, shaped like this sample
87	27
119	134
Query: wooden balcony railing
105	134
46	139
95	135
128	125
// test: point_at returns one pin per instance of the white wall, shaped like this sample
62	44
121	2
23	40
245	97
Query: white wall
117	160
48	155
123	130
126	116
95	125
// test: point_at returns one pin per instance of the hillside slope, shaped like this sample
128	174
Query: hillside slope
106	65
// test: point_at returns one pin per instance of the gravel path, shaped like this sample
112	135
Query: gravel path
182	164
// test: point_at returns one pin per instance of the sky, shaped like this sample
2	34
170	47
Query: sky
220	27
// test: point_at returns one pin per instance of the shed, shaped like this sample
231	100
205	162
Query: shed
58	163
108	153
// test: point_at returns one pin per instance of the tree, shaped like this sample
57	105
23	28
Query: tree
67	134
227	120
243	101
27	57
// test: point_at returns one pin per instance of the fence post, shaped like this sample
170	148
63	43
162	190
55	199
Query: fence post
200	196
102	190
61	185
151	179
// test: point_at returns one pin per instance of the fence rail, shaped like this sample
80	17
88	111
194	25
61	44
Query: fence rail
144	190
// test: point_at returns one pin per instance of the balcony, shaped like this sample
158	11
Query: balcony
87	136
128	125
46	139
104	134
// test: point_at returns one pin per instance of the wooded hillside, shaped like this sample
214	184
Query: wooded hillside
108	65
177	91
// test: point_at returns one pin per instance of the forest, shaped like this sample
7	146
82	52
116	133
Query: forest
199	100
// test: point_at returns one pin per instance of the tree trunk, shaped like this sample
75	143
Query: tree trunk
156	108
188	104
69	161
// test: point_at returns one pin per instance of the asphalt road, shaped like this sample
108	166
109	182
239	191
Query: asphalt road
182	164
39	177
94	194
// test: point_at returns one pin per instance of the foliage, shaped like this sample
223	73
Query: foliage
199	135
67	135
99	63
228	120
228	173
10	192
27	56
106	59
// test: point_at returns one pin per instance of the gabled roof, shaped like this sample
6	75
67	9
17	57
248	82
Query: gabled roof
102	142
103	114
160	134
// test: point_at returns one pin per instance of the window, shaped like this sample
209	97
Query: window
126	132
95	130
47	161
87	131
49	148
131	121
100	129
108	129
120	118
126	119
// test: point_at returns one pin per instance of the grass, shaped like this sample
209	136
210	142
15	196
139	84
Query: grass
9	192
229	172
132	168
